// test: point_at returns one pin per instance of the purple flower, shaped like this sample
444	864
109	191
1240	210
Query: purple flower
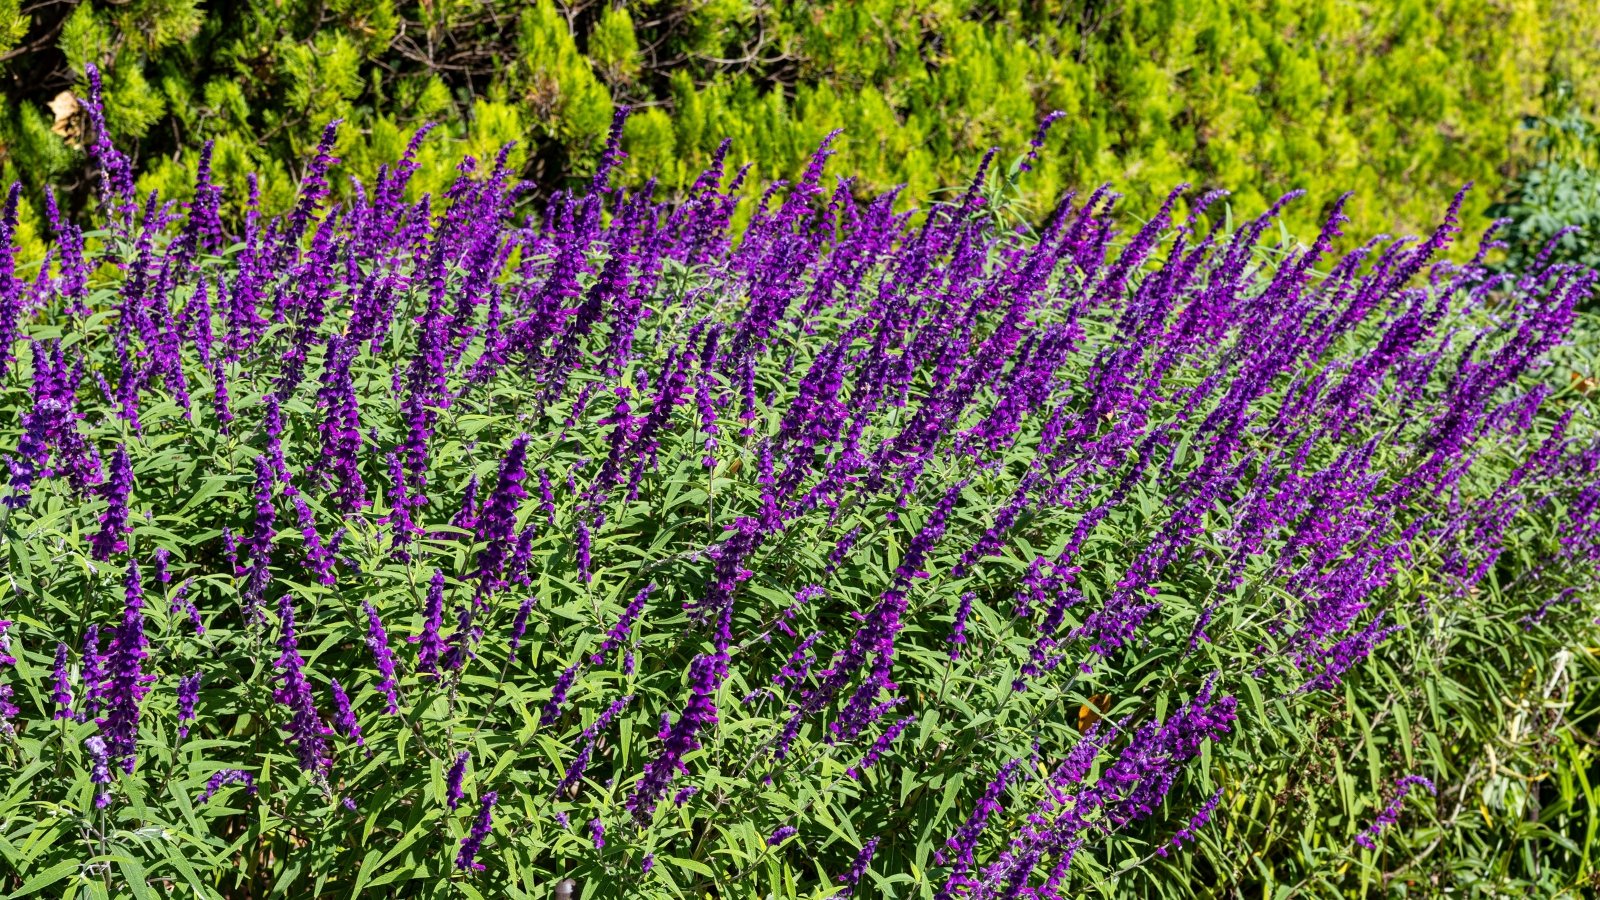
963	844
340	430
383	657
558	696
258	546
125	680
958	631
221	779
318	556
429	644
588	739
618	634
858	869
781	835
497	523
519	625
99	768
112	536
547	498
1196	822
647	863
307	734
879	747
188	696
183	605
706	673
345	718
452	780
585	563
93	674
473	842
61	697
597	833
1390	813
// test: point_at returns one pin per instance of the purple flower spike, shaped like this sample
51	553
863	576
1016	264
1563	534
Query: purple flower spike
858	869
112	536
307	734
519	625
618	634
346	716
383	657
221	779
430	646
61	697
558	696
126	682
93	674
453	778
188	696
1196	822
1390	814
99	768
466	858
497	523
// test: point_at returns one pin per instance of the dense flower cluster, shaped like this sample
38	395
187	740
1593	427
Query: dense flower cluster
912	486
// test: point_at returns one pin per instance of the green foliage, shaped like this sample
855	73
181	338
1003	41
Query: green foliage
1399	102
1559	193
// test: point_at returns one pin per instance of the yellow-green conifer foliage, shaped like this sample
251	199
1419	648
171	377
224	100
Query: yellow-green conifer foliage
1401	101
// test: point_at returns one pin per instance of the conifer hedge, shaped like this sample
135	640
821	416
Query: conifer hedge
1399	101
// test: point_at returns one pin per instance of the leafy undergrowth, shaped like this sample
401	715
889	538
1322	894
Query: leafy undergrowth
429	549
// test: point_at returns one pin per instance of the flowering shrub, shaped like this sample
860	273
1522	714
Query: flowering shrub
427	547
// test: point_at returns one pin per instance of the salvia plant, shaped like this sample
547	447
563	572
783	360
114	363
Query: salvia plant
433	548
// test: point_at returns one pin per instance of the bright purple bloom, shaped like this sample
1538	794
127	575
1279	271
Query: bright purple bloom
453	778
1196	822
112	536
706	673
258	545
61	697
345	718
188	696
618	635
519	625
382	656
588	739
429	645
93	673
183	605
307	734
558	696
126	682
497	523
958	631
781	835
473	842
221	779
99	768
318	557
963	844
597	833
1390	813
858	869
879	747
